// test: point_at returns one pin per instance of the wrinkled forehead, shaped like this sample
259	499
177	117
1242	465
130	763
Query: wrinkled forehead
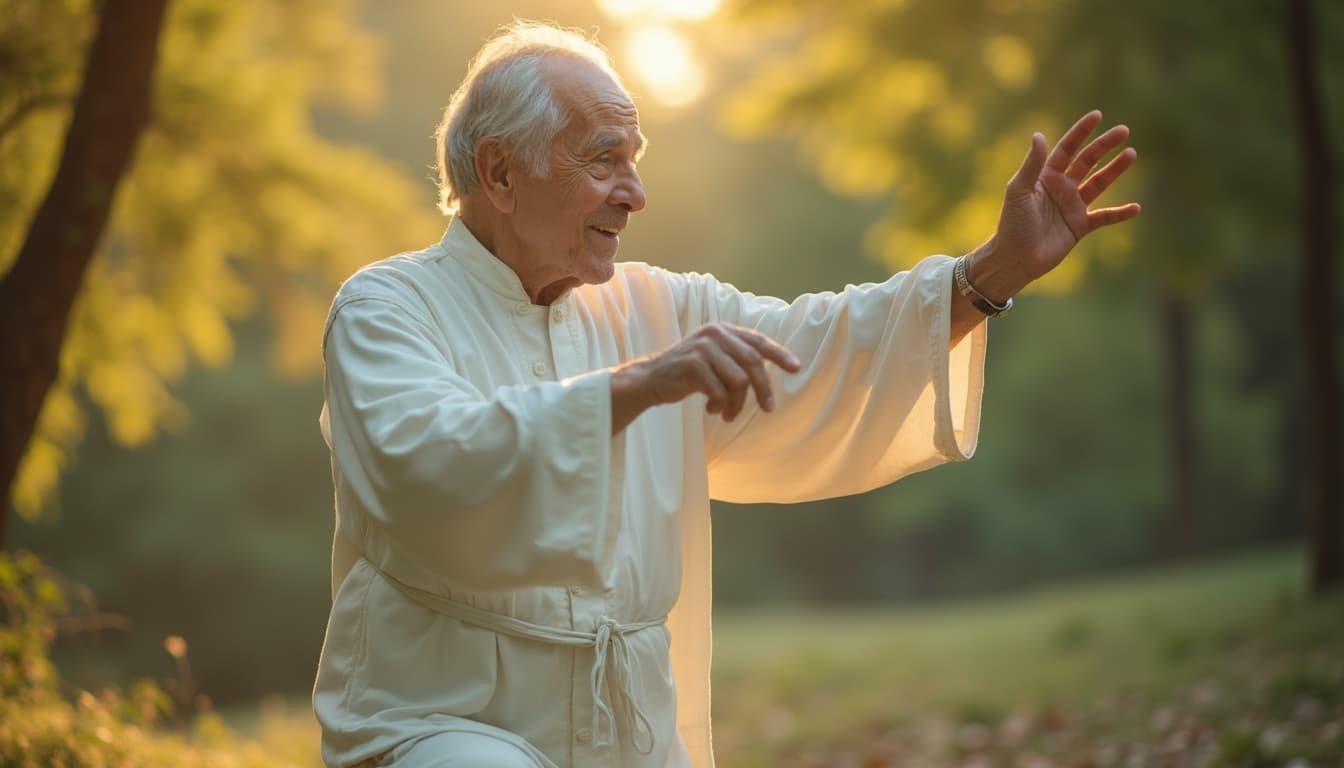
600	110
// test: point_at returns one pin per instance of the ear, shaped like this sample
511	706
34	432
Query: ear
495	172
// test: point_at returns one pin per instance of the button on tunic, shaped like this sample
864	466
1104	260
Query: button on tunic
472	457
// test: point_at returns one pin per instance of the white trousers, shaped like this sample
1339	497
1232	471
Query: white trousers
462	749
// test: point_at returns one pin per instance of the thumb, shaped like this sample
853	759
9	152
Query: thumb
1030	170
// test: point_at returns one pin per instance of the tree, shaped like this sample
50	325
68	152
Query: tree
37	293
1326	499
231	199
929	102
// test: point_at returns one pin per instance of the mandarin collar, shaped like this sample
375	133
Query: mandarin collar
461	245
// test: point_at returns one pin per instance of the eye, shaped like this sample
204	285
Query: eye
601	166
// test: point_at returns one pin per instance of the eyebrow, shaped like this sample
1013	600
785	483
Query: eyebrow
612	140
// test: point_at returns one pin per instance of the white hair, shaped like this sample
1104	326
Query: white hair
506	96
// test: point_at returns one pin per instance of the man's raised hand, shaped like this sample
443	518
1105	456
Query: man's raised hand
1046	206
724	362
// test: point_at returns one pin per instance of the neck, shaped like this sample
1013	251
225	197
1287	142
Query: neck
491	230
552	291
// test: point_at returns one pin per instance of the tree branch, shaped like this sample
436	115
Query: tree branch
28	106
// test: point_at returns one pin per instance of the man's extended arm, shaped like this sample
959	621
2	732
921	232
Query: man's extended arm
1045	213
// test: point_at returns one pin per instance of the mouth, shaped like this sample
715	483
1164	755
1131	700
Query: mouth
608	232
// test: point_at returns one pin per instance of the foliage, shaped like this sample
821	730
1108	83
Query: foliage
221	535
30	597
933	102
43	723
928	104
234	200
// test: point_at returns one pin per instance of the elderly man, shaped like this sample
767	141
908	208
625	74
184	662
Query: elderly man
525	435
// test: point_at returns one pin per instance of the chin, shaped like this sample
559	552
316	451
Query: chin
599	271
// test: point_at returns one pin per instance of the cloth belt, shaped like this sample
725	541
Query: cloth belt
607	642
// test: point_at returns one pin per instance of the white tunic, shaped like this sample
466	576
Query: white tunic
472	456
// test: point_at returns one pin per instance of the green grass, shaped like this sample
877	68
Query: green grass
1074	641
1219	664
1217	649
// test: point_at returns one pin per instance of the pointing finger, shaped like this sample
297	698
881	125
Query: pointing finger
771	350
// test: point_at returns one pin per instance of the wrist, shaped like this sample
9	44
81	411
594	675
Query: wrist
992	275
629	385
628	395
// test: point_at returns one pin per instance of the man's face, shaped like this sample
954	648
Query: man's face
569	221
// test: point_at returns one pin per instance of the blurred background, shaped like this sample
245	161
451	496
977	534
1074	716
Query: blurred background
1144	497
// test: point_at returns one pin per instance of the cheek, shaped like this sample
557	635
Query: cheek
571	177
582	184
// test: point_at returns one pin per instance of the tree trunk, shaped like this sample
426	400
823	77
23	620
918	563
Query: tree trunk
1180	529
36	296
1324	496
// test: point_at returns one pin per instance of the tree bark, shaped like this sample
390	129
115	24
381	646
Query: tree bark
1324	495
1181	528
36	295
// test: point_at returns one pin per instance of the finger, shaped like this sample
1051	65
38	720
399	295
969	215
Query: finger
1094	151
706	380
1104	217
753	363
1073	139
1104	178
734	380
770	349
1030	170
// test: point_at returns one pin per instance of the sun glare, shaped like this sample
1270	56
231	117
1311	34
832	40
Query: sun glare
665	64
681	10
658	48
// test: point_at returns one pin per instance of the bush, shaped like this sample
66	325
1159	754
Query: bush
46	723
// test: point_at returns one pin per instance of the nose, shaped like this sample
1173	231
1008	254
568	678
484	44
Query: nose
629	192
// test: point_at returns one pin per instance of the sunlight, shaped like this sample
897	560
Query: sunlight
684	10
663	60
1010	61
657	47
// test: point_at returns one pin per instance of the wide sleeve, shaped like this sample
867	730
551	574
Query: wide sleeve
882	392
493	490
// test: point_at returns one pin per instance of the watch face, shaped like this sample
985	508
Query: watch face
983	305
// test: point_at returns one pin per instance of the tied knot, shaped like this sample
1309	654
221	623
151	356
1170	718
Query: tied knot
609	647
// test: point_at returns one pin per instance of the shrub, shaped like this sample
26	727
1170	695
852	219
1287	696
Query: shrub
45	723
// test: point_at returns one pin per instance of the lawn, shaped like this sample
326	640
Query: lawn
1217	664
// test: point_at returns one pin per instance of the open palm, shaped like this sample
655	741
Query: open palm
1045	207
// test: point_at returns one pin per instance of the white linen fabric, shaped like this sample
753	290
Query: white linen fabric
473	462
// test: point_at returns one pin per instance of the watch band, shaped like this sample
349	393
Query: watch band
978	299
